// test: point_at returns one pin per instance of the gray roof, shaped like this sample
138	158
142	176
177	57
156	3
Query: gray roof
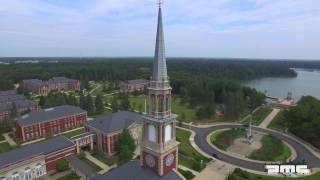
61	80
48	114
28	151
6	93
137	81
20	104
116	121
133	171
159	62
33	81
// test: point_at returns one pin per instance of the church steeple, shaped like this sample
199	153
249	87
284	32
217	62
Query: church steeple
159	62
159	148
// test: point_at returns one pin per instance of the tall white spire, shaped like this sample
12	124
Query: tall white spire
159	62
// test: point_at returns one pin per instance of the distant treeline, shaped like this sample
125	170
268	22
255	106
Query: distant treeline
204	84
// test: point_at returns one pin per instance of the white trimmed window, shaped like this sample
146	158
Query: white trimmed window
167	133
15	176
39	170
27	174
152	133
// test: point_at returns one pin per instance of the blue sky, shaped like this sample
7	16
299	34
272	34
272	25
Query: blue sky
286	29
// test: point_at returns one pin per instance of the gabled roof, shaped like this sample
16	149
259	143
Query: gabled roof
116	121
39	148
133	171
137	81
48	114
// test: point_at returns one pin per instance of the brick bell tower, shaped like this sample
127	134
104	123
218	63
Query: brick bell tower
159	148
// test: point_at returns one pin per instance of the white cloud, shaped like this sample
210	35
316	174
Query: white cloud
220	28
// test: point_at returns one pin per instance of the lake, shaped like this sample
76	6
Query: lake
306	83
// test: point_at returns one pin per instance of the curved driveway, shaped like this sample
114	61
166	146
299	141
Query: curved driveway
201	140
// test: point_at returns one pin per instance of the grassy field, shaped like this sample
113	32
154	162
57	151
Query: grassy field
246	175
1	137
277	122
186	174
70	176
74	133
4	147
224	139
188	156
272	149
109	160
259	115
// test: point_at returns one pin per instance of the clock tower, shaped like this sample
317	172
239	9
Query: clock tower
159	148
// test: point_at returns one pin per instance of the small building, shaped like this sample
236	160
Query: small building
10	100
43	87
107	129
35	160
48	122
133	85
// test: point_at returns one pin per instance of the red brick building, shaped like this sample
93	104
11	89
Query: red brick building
10	100
48	122
35	160
107	129
133	85
43	87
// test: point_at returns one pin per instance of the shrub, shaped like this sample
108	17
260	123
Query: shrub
187	174
62	165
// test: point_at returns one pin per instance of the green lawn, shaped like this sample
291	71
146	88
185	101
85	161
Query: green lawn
91	164
184	112
186	174
278	122
1	137
188	156
240	175
272	149
109	160
4	147
70	176
259	115
224	139
74	133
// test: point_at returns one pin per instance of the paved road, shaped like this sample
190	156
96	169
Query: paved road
201	141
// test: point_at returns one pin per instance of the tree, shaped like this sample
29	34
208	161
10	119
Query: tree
89	105
127	146
62	165
42	101
13	111
125	103
99	104
83	101
114	105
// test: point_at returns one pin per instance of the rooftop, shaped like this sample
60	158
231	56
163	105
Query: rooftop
133	171
137	81
28	151
48	114
116	121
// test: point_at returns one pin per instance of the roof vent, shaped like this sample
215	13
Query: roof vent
49	109
25	116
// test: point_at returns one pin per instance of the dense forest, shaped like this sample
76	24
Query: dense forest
202	83
304	120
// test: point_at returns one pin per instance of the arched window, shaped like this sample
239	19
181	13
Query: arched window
152	133
39	170
27	173
15	176
167	133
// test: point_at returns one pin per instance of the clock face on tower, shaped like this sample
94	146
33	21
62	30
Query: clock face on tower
150	160
169	160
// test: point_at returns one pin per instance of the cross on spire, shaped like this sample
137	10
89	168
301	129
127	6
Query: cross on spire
160	3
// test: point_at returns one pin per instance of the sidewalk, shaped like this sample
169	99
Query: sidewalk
269	118
105	168
9	139
188	169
